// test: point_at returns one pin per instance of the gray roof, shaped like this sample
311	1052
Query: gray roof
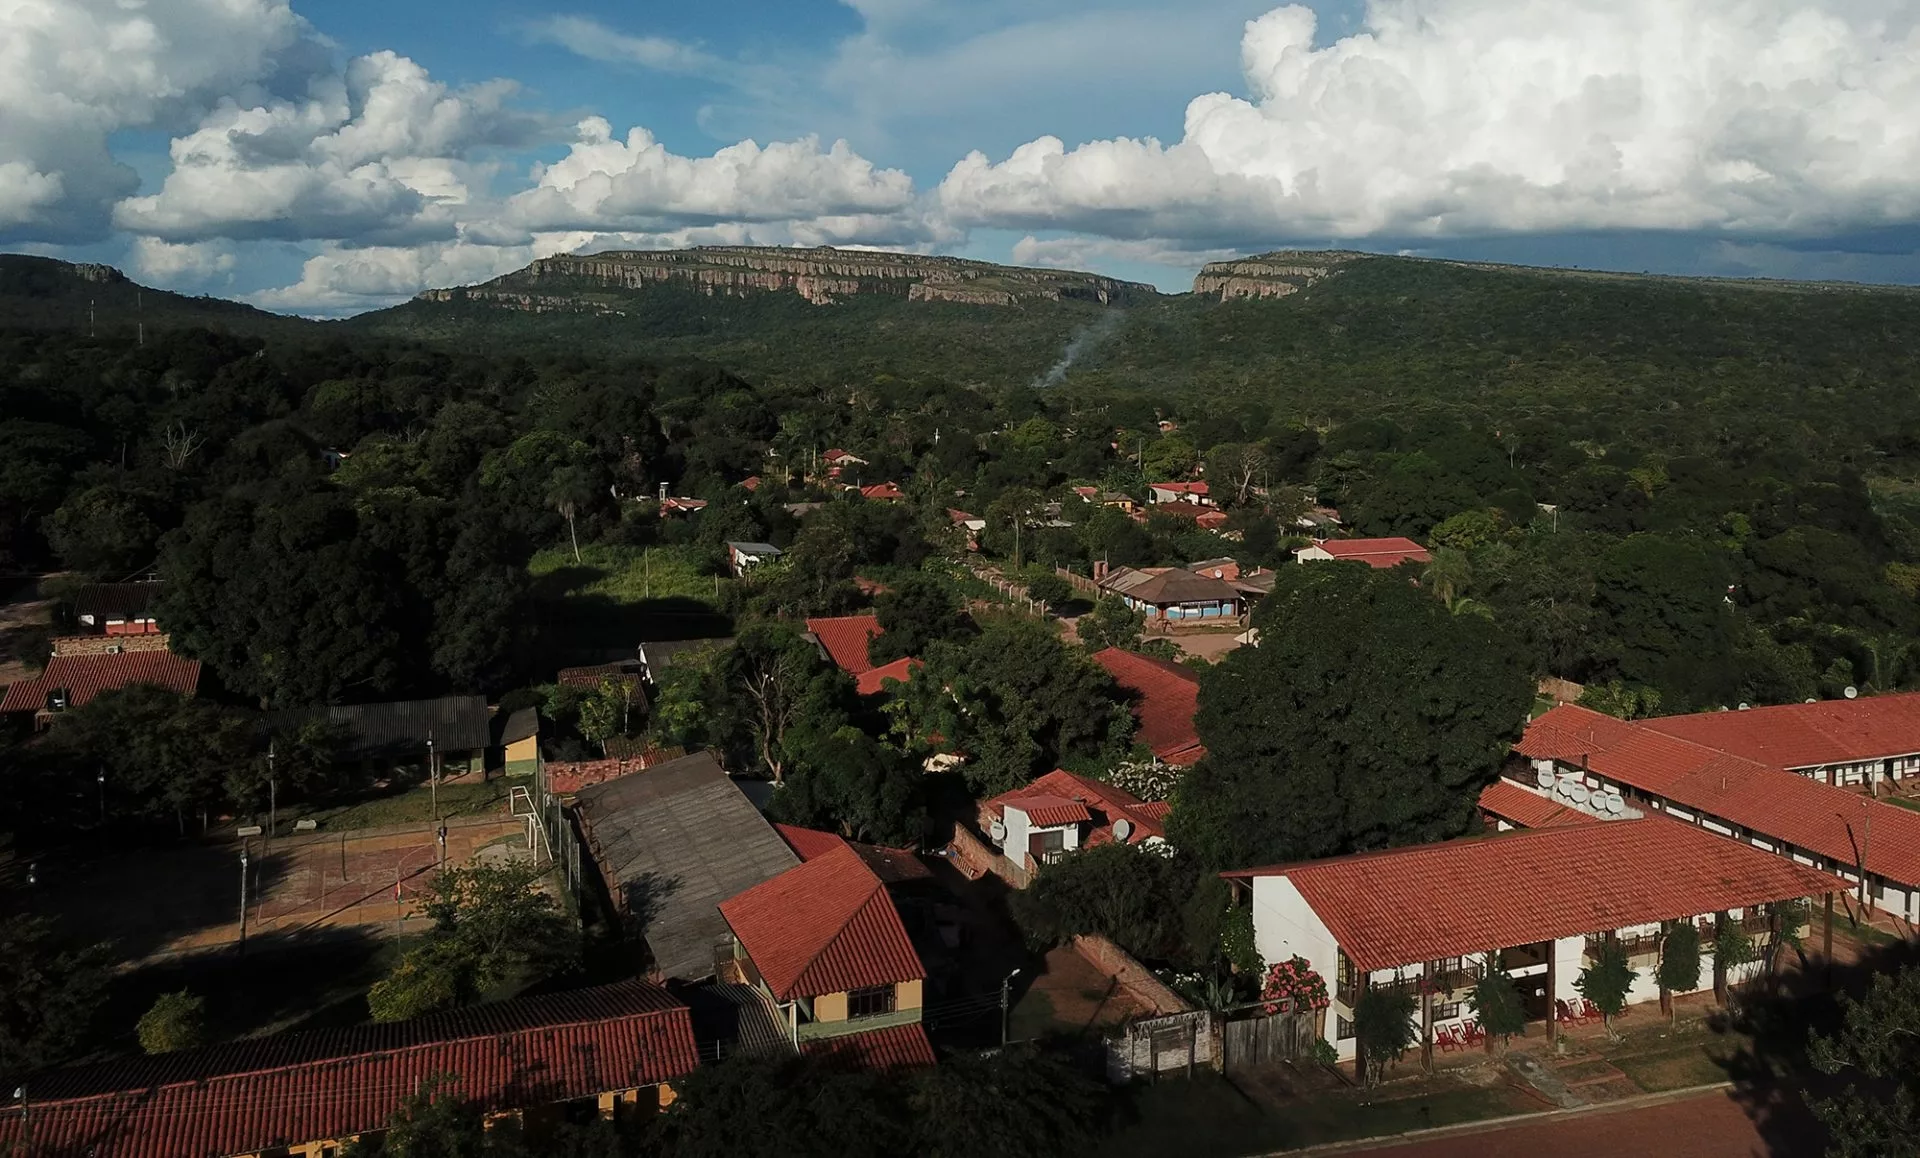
659	654
755	548
513	726
117	598
672	842
399	730
1167	586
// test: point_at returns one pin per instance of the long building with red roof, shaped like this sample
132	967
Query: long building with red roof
71	681
825	943
1379	554
1858	742
1842	832
308	1094
1536	902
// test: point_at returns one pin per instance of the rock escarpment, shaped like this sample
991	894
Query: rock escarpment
1270	275
821	276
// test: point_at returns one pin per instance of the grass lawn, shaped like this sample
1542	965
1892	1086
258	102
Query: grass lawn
411	806
1209	1115
1699	1064
626	574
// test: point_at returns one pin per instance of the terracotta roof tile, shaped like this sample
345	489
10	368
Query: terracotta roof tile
846	638
826	926
1167	697
1050	811
898	1047
1806	735
1766	800
292	1088
1378	553
83	677
874	680
808	843
1464	897
1512	803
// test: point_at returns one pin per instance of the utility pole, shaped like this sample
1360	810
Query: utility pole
1006	1005
433	780
273	801
1866	839
442	834
243	893
26	1118
101	779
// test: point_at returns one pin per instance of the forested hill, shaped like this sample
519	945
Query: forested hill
1691	364
44	294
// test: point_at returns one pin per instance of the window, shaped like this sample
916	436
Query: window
870	1002
1342	1028
1449	1011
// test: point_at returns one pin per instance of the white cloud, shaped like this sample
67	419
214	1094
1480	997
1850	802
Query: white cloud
1464	117
375	155
638	185
74	71
585	36
1089	252
175	264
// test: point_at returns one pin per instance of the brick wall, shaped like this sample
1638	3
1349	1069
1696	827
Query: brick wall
565	779
108	644
976	858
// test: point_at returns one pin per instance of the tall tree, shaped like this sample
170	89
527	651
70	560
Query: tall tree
51	995
1877	1050
1368	717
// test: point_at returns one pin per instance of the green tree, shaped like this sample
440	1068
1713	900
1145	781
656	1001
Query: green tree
1385	740
1127	894
1732	948
434	1122
1877	1051
104	530
1050	591
156	753
608	711
1606	981
1679	969
1016	701
493	925
174	1021
917	611
1383	1028
767	1107
1022	1102
1111	623
1495	1000
1621	700
847	782
51	995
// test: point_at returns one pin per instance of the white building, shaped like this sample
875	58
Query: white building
1865	743
1537	901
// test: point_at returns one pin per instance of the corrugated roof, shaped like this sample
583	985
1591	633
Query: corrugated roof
83	677
1763	799
1806	735
808	843
846	638
513	727
874	680
292	1088
671	843
1411	905
897	1047
1512	803
1104	803
892	865
1166	586
827	926
399	729
1166	698
109	599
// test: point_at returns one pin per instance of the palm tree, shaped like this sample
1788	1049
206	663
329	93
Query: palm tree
1448	575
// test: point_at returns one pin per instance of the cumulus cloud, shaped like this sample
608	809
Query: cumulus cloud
175	264
375	154
1088	252
1463	117
72	72
636	184
585	36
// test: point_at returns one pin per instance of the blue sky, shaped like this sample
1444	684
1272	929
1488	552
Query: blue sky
330	158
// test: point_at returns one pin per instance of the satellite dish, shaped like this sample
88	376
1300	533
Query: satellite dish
998	831
1811	700
1579	794
1543	778
1851	692
1744	705
1615	803
1564	788
1122	829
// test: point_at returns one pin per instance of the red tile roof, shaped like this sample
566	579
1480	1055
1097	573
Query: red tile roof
825	926
1167	697
1049	811
86	676
1103	802
1516	805
1380	553
1761	798
885	492
808	843
1806	735
891	865
899	1047
751	483
1465	897
1181	488
874	681
846	637
301	1087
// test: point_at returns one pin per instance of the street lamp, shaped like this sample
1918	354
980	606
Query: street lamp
273	802
243	894
1006	991
101	780
433	778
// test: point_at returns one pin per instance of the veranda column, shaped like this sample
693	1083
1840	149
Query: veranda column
1553	994
1426	1017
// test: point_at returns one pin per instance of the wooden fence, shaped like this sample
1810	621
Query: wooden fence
1267	1039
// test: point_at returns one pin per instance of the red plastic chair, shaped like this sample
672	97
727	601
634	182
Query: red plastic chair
1474	1034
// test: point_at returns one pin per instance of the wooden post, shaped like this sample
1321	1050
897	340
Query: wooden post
1826	939
1660	946
1426	1017
1553	994
1719	965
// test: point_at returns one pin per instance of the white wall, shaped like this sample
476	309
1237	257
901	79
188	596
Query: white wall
1285	926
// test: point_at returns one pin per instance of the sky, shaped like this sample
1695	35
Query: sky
327	158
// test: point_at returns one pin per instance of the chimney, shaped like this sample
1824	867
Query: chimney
1099	570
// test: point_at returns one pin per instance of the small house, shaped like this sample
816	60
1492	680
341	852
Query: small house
885	492
744	557
118	608
1166	697
1039	823
70	681
1379	554
447	737
1192	493
1171	594
517	736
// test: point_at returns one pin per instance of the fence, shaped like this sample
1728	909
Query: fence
1266	1039
1176	1043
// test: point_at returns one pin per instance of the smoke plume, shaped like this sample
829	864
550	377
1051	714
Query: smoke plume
1084	341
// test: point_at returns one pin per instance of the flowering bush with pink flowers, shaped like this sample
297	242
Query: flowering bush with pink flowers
1292	984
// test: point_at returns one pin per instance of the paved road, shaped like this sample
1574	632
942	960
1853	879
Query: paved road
1714	1125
